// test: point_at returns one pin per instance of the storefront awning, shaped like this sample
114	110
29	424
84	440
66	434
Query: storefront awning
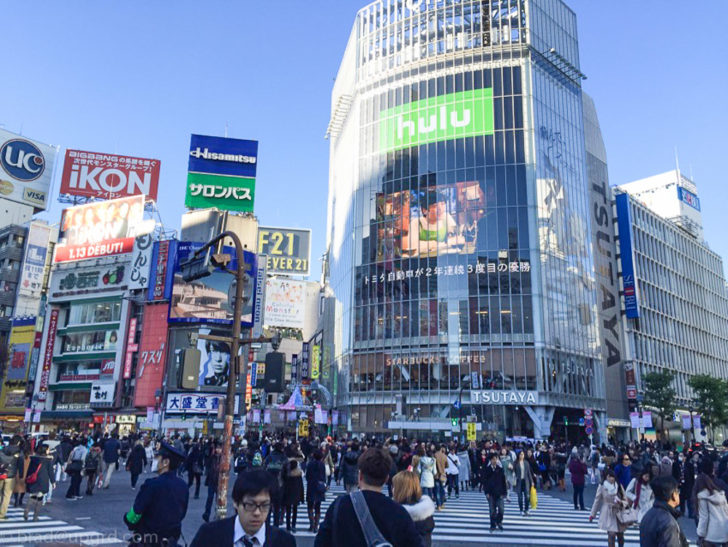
70	386
65	414
84	356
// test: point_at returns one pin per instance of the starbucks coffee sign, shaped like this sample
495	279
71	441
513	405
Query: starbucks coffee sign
503	397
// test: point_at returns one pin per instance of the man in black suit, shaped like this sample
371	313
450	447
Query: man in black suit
252	501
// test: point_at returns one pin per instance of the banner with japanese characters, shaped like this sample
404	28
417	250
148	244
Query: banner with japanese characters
221	173
108	176
196	403
141	260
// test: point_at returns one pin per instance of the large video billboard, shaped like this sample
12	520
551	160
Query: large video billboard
221	173
26	169
109	176
429	221
211	299
99	229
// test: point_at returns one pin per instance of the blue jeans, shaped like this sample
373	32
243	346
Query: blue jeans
211	491
495	504
439	493
428	492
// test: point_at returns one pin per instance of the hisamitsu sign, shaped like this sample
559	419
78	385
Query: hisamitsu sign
504	397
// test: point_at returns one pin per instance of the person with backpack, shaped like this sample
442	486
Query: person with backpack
389	523
91	468
74	466
274	464
38	480
348	467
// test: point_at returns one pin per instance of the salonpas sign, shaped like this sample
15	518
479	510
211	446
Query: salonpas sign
504	397
452	116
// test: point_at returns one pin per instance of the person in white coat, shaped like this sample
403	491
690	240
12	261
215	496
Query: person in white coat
712	509
640	493
464	468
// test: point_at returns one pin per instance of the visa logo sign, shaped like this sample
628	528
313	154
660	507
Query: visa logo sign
451	116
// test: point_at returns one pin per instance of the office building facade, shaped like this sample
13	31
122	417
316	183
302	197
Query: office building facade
459	249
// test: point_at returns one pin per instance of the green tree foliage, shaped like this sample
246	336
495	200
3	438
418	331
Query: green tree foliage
659	394
710	399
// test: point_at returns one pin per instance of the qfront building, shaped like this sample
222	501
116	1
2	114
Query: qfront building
459	261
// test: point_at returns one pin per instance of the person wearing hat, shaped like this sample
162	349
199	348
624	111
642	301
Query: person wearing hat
161	504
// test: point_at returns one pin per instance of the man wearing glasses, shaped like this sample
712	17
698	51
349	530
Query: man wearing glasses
623	470
252	501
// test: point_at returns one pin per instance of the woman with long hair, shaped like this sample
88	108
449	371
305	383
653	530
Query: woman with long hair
640	493
524	480
426	471
292	492
421	508
610	499
712	508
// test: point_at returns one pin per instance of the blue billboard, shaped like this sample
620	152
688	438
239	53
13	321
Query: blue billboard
210	300
629	279
223	156
688	197
161	270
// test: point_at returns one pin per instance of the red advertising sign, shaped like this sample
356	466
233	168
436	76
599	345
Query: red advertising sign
107	367
45	374
131	347
103	228
152	355
109	176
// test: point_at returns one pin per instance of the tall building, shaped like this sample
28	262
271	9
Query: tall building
460	262
674	286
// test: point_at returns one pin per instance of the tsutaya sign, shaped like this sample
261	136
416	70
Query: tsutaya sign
505	397
451	116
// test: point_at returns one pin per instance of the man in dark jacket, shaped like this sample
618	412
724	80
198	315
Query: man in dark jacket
341	523
494	486
110	458
348	468
212	470
252	501
9	457
274	464
659	527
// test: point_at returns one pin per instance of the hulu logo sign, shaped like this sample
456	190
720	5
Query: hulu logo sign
453	116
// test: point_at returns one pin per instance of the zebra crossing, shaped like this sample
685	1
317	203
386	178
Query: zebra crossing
466	520
15	531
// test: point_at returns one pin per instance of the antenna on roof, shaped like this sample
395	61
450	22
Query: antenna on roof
677	165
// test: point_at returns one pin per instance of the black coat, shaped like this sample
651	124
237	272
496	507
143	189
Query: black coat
222	532
137	459
349	468
212	468
45	477
340	526
659	527
315	475
494	481
292	485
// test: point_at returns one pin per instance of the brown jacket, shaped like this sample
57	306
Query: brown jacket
441	461
19	486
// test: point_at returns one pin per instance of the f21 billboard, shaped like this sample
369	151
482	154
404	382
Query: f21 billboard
109	176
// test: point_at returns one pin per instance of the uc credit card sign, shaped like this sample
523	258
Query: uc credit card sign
221	173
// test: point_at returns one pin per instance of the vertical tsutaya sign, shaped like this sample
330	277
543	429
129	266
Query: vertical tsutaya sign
606	270
26	170
451	116
221	173
624	222
45	374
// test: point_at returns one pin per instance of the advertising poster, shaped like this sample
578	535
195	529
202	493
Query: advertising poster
152	355
285	303
141	260
287	250
214	362
629	278
108	176
161	272
45	373
221	173
196	403
22	335
99	229
211	299
36	250
69	283
26	170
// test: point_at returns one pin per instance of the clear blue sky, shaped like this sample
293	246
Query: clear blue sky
136	78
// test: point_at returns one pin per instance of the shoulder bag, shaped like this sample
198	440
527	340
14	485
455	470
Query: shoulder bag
372	536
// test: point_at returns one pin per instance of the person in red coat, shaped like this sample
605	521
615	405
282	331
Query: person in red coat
578	470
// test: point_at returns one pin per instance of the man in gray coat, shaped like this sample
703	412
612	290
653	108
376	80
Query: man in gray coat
9	457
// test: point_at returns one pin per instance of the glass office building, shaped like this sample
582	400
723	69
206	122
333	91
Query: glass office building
459	262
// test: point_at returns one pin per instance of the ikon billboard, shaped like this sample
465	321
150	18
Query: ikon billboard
99	229
26	169
109	176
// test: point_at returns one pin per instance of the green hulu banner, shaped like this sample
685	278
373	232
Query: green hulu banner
452	116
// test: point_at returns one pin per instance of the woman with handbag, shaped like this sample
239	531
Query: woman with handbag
39	480
194	464
292	492
315	489
19	484
613	508
524	480
74	465
640	493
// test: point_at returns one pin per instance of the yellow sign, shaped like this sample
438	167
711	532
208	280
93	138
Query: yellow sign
303	428
315	362
472	434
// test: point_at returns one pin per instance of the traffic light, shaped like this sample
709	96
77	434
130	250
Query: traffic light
566	420
454	422
190	368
